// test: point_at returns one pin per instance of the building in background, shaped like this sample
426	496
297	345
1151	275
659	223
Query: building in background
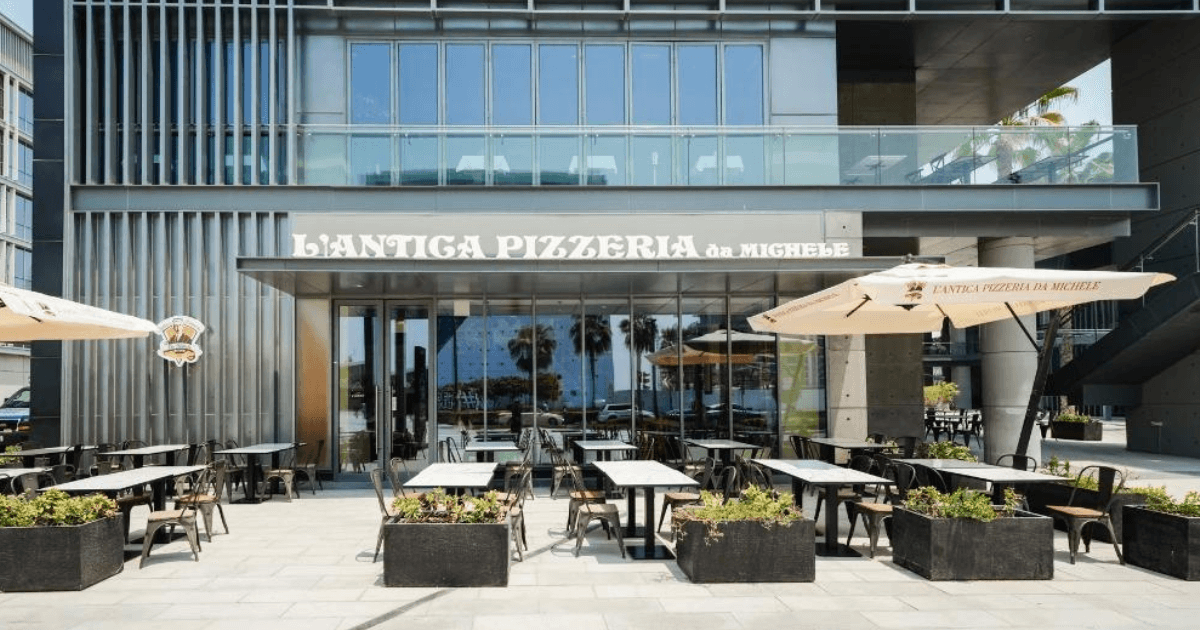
16	184
402	222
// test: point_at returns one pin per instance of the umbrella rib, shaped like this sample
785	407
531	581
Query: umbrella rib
1022	325
860	305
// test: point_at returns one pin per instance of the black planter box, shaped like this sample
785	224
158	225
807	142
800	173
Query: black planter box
1087	431
1018	548
68	558
445	554
747	551
1042	494
1166	543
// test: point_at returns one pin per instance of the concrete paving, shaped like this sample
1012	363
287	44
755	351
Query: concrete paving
307	565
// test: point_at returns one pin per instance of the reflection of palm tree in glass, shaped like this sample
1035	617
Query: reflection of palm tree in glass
591	335
641	336
530	342
1012	148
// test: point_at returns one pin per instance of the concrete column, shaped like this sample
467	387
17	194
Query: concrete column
846	385
1009	360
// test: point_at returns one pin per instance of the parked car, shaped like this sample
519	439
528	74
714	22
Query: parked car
14	413
621	411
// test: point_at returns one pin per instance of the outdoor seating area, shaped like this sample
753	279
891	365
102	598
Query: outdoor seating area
309	563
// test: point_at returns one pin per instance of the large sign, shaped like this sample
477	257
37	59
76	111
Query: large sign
563	237
179	334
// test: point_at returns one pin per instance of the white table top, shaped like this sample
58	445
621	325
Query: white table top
943	464
819	472
149	450
121	480
507	447
258	449
644	473
604	445
718	444
1004	474
49	450
462	475
849	443
17	472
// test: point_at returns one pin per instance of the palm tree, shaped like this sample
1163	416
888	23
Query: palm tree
533	343
1015	148
591	335
641	336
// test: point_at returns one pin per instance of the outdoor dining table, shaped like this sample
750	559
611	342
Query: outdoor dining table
15	473
603	449
454	476
139	454
828	445
29	457
722	448
252	453
830	478
999	476
112	484
486	451
647	475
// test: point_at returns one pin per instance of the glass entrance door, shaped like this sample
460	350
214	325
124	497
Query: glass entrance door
383	377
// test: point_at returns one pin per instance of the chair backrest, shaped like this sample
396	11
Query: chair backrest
63	473
128	444
647	448
908	445
220	469
930	477
1109	482
377	483
1018	462
863	463
199	455
393	474
730	484
797	446
812	450
905	478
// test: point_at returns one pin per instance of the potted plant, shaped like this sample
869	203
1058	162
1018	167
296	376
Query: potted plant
946	450
760	537
56	542
1039	495
1164	535
962	536
440	539
940	395
1073	426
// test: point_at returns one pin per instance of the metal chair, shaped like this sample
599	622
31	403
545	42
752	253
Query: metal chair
286	473
971	428
184	517
1110	481
385	509
1017	462
672	500
873	513
207	497
306	467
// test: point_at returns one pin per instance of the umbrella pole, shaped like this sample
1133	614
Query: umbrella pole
1045	353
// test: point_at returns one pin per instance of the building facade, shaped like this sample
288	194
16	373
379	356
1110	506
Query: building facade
400	222
16	184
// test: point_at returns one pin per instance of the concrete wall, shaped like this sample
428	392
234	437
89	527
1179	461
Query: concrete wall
1171	398
14	370
1156	86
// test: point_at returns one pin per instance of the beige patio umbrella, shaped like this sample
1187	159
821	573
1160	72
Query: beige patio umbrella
29	316
917	298
669	357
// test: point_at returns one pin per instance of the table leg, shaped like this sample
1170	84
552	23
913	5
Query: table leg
251	480
139	461
648	549
832	547
631	510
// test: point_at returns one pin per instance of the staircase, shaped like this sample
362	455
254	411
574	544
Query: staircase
1149	339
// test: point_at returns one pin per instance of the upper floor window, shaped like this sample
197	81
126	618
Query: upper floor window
24	164
520	83
22	269
25	109
24	218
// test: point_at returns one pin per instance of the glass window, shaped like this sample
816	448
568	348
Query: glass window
24	164
419	161
464	84
24	218
558	84
743	85
697	74
418	84
370	84
264	83
651	84
512	85
558	160
604	76
652	161
466	160
228	75
512	160
26	109
23	276
247	83
370	161
605	161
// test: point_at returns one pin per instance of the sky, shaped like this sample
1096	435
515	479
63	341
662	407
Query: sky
19	11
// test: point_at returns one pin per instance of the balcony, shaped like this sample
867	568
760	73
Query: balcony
360	155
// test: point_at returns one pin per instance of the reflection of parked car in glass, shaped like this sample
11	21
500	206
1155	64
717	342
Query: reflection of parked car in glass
14	413
621	411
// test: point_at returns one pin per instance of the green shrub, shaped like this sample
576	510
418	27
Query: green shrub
1160	501
53	508
437	506
11	448
946	450
755	504
961	503
1073	417
942	393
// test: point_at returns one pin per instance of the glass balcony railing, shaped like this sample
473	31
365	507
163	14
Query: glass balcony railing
359	155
